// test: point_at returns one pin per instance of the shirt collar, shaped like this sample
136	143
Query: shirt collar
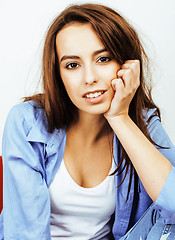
38	133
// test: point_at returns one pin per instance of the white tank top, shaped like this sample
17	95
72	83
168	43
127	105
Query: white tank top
81	213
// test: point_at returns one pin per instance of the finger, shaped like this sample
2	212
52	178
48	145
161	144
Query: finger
117	84
130	74
121	73
126	65
131	64
131	61
126	76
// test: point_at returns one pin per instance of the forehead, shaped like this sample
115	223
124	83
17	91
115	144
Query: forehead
77	38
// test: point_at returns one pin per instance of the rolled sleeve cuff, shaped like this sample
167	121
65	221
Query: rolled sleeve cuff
166	199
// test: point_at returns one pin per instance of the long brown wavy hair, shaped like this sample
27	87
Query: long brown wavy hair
122	41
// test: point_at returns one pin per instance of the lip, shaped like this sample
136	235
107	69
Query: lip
95	99
101	90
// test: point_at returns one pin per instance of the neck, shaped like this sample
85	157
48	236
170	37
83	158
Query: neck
90	128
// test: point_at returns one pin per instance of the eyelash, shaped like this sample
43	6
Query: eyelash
69	64
103	59
107	59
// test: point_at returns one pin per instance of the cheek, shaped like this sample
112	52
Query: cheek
111	94
68	82
109	72
72	88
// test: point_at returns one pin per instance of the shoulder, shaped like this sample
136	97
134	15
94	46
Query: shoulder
26	135
159	135
150	115
153	121
27	111
28	119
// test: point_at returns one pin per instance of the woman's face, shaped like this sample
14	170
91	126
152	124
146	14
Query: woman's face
86	68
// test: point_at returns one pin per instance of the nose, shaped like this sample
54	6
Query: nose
89	75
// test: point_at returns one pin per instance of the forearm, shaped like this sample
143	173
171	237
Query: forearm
152	167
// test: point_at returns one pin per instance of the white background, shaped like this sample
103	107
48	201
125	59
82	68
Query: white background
23	25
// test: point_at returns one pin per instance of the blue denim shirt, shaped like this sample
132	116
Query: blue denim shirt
31	158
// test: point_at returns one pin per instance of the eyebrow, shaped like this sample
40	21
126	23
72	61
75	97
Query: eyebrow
65	57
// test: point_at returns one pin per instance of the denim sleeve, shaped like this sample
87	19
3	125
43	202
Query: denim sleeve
26	204
166	199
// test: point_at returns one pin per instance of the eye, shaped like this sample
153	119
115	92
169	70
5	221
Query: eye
104	59
72	65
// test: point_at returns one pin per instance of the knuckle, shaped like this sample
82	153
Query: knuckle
119	73
128	72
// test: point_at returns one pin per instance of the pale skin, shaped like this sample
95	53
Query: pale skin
87	67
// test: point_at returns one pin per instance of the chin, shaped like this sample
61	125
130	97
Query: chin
98	110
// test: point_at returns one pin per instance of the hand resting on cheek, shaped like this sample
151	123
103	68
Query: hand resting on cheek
125	86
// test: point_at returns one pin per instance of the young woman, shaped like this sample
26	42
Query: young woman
88	158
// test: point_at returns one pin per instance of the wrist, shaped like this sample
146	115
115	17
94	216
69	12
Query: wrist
122	125
119	119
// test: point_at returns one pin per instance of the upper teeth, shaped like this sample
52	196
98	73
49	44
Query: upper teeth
93	95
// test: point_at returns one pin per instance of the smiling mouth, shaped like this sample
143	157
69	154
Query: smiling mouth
94	94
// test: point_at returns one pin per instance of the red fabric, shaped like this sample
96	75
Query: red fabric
1	181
